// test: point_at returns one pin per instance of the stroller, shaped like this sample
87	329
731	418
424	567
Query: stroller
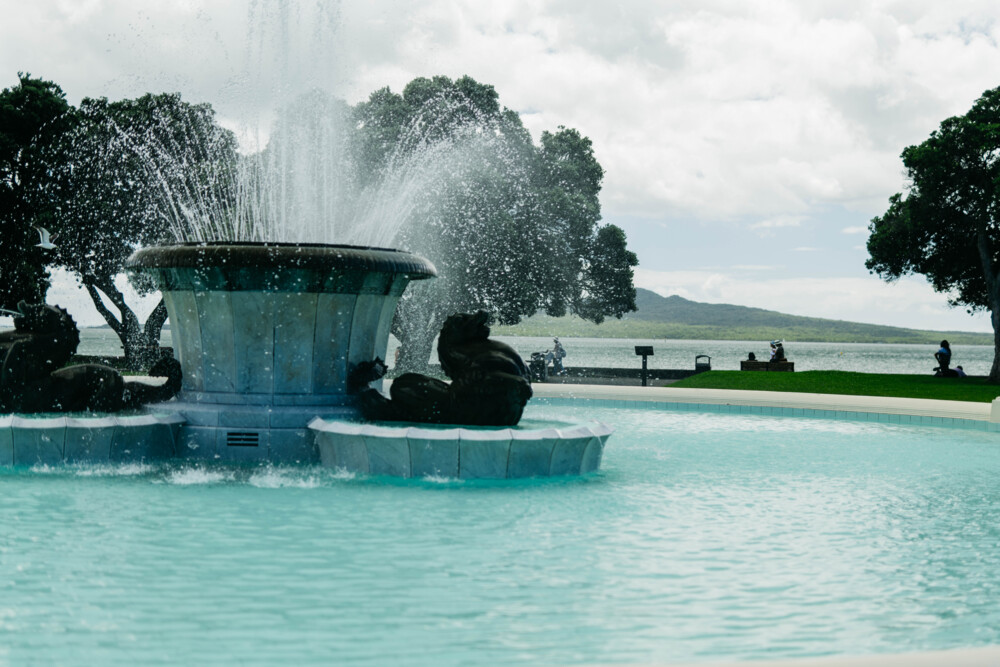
539	364
538	367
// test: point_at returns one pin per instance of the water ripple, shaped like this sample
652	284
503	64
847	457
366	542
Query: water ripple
706	537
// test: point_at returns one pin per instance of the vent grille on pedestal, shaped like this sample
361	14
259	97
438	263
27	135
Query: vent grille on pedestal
242	439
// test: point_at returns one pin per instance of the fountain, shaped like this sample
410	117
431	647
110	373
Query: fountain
269	314
267	333
268	324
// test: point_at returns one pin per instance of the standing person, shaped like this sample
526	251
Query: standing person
943	356
558	353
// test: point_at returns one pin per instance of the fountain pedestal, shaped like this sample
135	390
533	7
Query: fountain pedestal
266	335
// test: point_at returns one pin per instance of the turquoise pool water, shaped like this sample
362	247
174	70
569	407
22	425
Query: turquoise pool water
705	537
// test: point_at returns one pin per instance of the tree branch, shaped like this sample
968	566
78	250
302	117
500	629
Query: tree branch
154	323
108	316
128	326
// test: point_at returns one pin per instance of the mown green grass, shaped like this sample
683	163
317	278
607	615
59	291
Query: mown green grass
843	382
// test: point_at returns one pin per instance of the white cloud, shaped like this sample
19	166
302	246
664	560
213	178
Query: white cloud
703	111
697	108
777	222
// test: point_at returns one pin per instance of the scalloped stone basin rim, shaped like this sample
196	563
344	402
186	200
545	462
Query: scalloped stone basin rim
240	255
407	450
87	438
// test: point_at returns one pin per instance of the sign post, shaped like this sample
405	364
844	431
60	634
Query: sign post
644	351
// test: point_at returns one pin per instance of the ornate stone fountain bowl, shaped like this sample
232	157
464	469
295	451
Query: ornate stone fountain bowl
534	448
266	334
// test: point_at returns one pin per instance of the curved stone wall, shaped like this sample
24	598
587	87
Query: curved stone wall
461	453
257	324
100	439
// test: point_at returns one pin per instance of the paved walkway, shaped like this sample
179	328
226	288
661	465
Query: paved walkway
836	402
776	399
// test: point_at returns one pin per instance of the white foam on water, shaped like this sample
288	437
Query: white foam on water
113	470
278	478
189	476
440	479
342	474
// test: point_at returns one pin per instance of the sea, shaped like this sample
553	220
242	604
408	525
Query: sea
674	353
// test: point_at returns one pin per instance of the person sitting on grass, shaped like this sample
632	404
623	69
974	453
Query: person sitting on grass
943	356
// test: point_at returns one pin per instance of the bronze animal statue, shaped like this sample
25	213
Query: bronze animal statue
33	377
489	381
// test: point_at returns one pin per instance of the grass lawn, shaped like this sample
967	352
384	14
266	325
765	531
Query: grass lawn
843	382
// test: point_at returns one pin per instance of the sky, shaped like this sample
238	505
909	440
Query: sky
747	144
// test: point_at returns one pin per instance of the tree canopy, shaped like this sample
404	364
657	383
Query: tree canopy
103	178
946	226
512	226
122	166
33	115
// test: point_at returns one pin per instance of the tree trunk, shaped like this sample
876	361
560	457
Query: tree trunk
986	255
995	318
141	345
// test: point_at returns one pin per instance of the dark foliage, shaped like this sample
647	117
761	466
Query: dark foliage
946	226
33	115
513	228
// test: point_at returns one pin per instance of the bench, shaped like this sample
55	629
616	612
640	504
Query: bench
767	366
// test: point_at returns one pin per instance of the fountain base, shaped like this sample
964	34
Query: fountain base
250	433
28	440
408	450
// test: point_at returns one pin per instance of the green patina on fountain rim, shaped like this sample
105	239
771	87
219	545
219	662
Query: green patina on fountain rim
280	267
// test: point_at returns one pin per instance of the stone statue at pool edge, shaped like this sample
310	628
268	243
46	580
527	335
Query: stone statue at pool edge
489	381
34	377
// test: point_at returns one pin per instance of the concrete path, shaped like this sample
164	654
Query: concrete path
776	399
836	402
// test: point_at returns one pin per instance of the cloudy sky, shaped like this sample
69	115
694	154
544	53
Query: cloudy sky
747	143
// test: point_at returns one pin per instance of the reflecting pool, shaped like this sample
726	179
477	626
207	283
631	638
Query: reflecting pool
704	537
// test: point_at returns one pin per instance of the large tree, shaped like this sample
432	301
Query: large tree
125	170
33	115
511	226
947	225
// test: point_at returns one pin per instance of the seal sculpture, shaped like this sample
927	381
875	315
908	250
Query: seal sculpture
489	381
33	377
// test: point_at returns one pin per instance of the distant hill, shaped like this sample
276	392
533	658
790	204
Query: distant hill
677	317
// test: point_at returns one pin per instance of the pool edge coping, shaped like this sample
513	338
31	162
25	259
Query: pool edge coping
890	410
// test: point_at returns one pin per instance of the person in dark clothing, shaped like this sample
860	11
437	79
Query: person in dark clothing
943	356
555	356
